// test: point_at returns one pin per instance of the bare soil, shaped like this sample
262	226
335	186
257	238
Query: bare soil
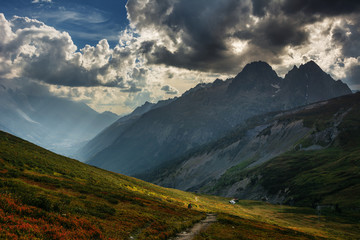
202	225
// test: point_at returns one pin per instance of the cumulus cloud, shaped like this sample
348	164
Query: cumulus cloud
118	79
32	53
31	49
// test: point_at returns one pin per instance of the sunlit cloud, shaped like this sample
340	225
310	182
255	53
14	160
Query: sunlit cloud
170	46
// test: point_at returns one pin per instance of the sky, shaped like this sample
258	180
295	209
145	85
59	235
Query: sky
115	54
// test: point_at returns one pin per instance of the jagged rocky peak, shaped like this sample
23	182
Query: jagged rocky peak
143	108
257	70
310	66
256	75
308	71
309	83
218	82
256	66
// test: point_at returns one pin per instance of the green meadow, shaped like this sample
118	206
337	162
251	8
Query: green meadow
47	196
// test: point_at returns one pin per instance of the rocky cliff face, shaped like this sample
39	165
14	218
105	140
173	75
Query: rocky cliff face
204	114
252	146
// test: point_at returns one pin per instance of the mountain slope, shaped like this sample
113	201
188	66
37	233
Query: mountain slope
305	156
106	137
206	113
322	169
57	124
47	196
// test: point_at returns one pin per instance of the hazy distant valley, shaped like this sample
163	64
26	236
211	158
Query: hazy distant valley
58	124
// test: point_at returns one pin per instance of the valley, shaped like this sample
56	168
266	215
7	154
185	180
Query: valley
55	123
179	120
288	151
47	196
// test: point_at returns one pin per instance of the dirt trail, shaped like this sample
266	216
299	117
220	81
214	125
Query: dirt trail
190	233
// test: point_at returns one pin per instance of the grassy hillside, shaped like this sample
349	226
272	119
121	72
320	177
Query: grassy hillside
329	175
47	196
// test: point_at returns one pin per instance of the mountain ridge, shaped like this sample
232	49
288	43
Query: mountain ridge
253	162
207	112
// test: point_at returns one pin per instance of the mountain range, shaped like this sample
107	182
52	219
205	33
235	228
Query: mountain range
140	144
58	124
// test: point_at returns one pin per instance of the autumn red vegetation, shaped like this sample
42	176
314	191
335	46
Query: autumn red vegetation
18	221
47	196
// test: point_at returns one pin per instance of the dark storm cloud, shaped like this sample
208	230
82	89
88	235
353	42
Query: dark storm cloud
348	36
322	7
200	25
66	74
53	69
260	7
202	30
275	33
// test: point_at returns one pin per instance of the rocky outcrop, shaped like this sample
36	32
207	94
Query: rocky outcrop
253	145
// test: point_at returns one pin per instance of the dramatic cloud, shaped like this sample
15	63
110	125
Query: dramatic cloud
117	79
221	36
171	45
32	53
30	49
323	7
189	34
348	36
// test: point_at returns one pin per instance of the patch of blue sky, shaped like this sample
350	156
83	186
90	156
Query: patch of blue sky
87	22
